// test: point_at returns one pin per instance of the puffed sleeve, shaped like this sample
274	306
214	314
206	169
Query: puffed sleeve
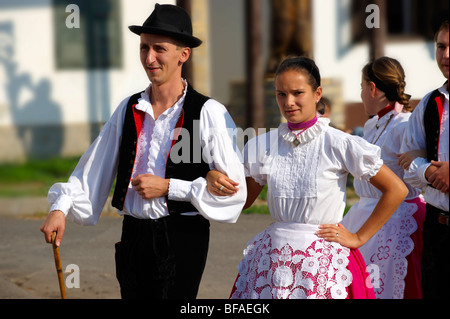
218	135
83	196
360	158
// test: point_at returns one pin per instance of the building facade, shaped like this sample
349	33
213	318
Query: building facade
63	73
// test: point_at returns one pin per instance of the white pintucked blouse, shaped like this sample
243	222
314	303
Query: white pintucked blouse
307	183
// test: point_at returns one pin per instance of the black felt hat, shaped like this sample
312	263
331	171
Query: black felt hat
169	20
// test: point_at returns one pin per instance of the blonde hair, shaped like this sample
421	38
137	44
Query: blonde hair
389	77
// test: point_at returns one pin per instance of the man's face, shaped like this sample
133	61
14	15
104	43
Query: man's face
442	52
162	58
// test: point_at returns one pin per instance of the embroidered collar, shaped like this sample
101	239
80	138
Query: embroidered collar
307	136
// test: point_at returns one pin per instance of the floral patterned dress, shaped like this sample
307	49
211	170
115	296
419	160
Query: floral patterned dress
306	188
394	252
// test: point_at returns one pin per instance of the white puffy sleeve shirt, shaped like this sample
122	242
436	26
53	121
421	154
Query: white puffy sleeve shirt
414	139
307	183
387	133
83	197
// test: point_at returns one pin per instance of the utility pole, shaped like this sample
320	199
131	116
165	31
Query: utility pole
255	69
187	71
377	36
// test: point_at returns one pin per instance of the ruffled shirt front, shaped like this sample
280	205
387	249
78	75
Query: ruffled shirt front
307	183
82	198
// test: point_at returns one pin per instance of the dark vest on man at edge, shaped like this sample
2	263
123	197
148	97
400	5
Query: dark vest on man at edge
184	170
432	123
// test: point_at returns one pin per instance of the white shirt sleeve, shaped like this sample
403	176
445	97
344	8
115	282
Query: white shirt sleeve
257	156
414	139
360	158
83	197
218	133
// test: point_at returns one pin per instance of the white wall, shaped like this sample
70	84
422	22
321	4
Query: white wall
32	62
34	57
33	43
336	58
58	123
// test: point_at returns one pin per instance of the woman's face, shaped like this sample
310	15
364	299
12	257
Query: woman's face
367	97
295	97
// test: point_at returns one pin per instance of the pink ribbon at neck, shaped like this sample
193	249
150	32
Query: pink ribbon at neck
302	126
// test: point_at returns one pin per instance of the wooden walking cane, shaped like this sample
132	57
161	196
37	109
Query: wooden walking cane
62	287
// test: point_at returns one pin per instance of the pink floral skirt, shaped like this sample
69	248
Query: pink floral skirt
393	255
361	286
288	261
413	279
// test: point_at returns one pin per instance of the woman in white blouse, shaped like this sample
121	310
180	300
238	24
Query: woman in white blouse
396	249
306	253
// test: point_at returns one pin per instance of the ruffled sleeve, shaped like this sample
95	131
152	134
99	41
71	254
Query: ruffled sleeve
360	158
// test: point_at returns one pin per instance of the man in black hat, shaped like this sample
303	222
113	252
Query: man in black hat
159	145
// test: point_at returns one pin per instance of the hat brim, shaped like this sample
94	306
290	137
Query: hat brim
188	40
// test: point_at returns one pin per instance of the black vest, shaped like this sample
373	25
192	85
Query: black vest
188	170
432	124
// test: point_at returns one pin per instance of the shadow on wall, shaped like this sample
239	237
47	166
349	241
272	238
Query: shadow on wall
94	48
37	121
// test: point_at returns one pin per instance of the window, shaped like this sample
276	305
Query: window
406	18
97	43
413	17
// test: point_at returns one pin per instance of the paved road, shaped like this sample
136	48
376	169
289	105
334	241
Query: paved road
27	269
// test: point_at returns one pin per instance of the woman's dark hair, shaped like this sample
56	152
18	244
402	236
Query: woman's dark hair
302	64
389	77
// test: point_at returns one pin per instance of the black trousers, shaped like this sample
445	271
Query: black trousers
162	259
436	257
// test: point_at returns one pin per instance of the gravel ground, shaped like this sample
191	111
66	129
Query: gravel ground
27	269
